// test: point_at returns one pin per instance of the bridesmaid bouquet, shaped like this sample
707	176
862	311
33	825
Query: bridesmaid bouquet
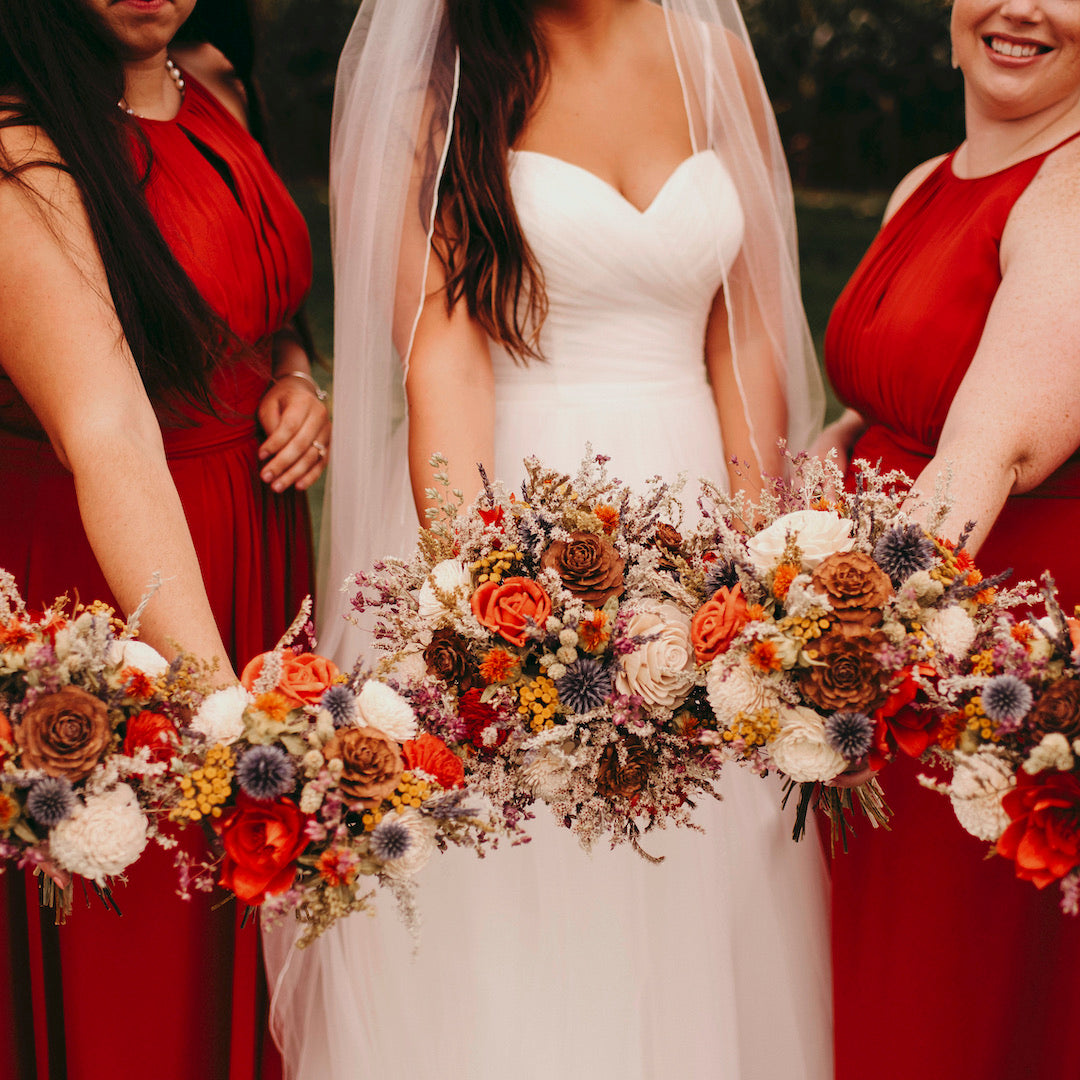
92	740
546	639
315	784
825	630
1011	740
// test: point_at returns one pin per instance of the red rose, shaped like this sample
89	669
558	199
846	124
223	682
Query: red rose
262	842
898	725
481	719
1044	837
508	606
431	755
303	679
152	730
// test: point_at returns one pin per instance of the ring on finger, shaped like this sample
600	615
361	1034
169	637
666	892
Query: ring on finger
318	447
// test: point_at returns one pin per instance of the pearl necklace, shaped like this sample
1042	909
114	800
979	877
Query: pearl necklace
178	82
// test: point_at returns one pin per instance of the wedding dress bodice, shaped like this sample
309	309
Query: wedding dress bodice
629	291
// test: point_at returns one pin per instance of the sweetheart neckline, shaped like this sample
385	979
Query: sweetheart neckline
611	187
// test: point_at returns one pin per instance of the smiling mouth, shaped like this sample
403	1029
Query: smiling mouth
1018	49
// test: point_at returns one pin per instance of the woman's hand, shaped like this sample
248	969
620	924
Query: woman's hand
841	436
297	426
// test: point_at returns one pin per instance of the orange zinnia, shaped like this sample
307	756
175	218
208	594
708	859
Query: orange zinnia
497	666
137	684
592	632
276	706
609	518
782	579
763	656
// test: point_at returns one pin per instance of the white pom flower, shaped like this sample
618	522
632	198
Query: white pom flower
660	670
952	629
446	577
739	690
978	784
801	750
818	533
221	716
1052	753
385	709
103	837
421	831
137	654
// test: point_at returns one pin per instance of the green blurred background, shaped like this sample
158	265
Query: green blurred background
861	94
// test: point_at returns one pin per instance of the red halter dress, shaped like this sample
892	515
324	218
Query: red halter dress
945	966
172	989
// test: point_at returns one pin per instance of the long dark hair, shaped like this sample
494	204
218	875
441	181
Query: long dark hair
478	237
59	72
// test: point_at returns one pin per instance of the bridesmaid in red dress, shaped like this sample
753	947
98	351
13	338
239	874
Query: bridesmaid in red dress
957	347
156	414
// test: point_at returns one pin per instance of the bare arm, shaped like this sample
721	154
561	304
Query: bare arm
62	346
1016	416
751	390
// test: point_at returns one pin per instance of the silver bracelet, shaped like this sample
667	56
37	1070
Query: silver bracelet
320	393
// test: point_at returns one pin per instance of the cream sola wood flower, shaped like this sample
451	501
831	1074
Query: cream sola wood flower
660	670
447	587
103	837
817	534
383	708
976	788
220	718
801	750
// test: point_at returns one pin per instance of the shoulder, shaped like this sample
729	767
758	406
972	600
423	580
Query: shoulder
214	71
1045	220
910	184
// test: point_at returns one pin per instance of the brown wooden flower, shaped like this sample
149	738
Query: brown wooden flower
589	566
626	778
372	765
65	734
1057	710
448	659
856	587
847	676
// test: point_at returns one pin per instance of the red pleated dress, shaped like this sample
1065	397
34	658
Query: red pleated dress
945	966
173	989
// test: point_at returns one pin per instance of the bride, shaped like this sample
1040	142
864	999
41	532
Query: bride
570	221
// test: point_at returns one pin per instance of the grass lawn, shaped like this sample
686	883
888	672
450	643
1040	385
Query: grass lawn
834	231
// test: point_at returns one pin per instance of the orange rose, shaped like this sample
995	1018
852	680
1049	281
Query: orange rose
431	755
717	622
7	737
152	730
262	842
303	679
508	606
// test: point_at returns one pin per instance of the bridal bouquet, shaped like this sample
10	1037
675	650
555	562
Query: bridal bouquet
316	784
91	740
824	631
1012	742
547	639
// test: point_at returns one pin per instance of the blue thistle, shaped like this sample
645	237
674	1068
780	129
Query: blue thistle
585	685
904	550
340	702
50	800
265	772
1006	699
390	839
850	734
721	574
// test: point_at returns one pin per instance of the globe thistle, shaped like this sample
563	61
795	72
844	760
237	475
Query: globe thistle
721	574
904	550
1006	700
340	702
265	772
50	800
390	839
584	686
850	734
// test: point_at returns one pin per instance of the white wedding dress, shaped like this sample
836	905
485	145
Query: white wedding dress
543	962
